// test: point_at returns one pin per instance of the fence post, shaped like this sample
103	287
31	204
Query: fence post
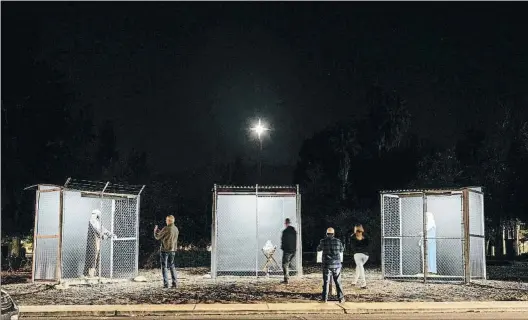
425	255
35	241
213	235
382	211
257	230
484	238
112	216
58	269
465	217
299	234
138	207
101	230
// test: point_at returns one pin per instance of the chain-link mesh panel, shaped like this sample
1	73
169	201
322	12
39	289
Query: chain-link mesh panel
48	213
76	218
477	253
477	262
412	227
47	235
391	216
449	259
86	236
391	234
46	258
476	216
236	233
444	236
107	234
124	251
272	211
392	257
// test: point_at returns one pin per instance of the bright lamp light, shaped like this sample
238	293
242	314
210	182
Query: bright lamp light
259	128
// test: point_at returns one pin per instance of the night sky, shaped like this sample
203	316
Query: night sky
183	81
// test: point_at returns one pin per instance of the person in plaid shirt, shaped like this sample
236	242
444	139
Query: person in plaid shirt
332	249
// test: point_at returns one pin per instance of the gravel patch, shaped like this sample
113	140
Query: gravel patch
194	288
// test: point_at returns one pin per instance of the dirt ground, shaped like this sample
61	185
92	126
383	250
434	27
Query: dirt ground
195	288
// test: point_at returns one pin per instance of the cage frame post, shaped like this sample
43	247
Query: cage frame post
138	207
401	234
256	230
101	231
462	238
424	222
112	217
467	252
138	204
382	210
484	275
37	198
214	233
299	234
58	268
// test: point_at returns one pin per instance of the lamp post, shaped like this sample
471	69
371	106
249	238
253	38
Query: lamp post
259	129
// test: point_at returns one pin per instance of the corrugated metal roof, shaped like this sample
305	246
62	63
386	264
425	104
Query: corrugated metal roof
429	190
100	186
253	188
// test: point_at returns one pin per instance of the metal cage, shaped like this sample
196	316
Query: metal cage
244	220
86	230
434	235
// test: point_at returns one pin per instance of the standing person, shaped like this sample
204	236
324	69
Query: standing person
332	249
361	248
96	233
431	244
288	247
169	244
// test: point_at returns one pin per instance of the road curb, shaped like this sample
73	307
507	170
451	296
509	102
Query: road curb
272	308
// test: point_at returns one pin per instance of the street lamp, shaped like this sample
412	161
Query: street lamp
259	129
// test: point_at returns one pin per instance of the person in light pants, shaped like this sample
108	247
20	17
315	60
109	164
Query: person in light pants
361	247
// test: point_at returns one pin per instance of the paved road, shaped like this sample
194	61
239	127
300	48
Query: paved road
401	316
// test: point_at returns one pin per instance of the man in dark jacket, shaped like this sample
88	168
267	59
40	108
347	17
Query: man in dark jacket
289	247
332	249
169	244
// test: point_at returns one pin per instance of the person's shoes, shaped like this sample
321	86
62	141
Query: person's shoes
323	300
342	300
363	287
174	286
165	286
285	282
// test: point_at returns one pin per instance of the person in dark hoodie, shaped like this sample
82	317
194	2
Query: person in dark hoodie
288	247
361	247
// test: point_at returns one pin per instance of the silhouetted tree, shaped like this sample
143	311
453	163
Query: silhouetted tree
441	169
